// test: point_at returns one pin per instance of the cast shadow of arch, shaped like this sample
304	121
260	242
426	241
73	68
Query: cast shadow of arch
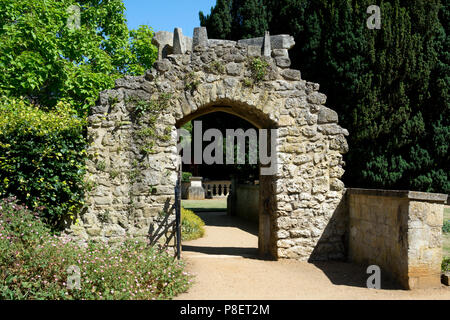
221	219
331	254
250	253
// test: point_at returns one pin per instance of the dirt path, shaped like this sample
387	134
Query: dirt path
226	267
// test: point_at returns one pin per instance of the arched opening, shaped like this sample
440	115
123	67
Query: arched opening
235	195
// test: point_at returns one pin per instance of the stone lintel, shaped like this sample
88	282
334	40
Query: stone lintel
220	41
281	41
410	195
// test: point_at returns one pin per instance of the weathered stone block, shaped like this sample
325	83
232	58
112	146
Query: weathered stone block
285	62
162	66
327	115
291	74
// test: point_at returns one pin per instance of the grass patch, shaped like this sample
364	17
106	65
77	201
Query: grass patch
446	264
205	205
192	226
34	265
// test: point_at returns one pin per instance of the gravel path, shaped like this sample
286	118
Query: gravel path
226	267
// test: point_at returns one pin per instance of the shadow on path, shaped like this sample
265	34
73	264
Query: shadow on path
349	274
229	251
225	236
221	219
234	237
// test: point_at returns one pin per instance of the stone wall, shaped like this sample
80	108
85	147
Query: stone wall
400	231
133	187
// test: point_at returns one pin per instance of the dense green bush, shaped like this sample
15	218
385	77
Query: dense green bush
186	176
445	264
446	226
42	158
34	264
191	225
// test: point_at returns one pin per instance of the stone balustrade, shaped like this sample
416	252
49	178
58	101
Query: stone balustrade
217	188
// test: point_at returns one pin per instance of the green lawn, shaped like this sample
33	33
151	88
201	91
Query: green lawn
205	205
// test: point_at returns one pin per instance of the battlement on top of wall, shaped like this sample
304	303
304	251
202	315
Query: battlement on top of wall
276	46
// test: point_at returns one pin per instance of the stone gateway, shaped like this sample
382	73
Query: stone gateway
133	190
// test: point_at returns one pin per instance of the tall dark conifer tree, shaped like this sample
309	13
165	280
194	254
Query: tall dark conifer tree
389	86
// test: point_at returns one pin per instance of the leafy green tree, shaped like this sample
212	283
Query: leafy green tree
47	60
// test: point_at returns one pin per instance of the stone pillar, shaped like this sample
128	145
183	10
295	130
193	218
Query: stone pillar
200	37
196	191
267	47
178	43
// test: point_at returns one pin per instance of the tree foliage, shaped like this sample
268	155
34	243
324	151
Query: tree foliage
45	60
389	86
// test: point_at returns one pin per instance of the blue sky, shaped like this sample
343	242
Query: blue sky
167	14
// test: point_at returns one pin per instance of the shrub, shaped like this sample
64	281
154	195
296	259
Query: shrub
258	68
35	265
446	226
42	158
445	264
186	176
191	225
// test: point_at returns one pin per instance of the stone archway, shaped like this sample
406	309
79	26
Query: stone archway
133	188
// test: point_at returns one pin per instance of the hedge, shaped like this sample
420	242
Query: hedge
191	225
42	158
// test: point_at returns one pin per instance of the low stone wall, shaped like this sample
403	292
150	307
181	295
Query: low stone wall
216	188
400	231
247	202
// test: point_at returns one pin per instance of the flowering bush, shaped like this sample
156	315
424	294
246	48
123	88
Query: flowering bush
36	265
